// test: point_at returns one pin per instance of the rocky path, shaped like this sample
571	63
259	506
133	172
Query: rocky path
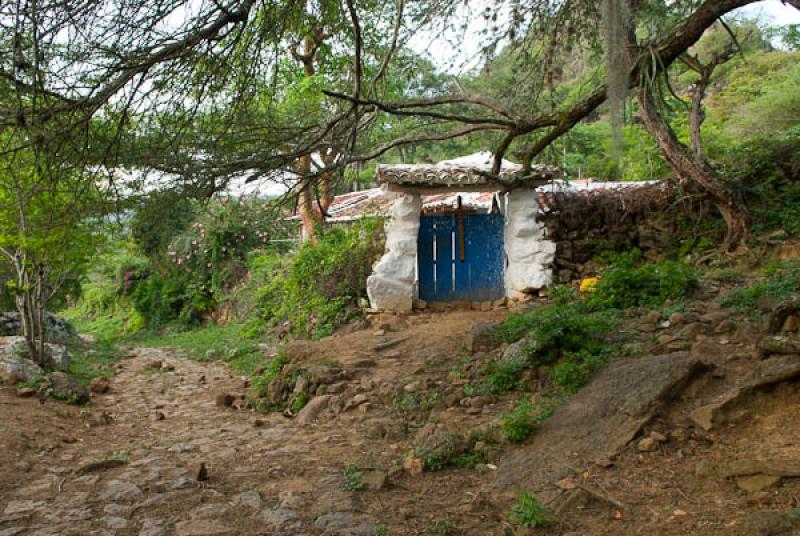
133	469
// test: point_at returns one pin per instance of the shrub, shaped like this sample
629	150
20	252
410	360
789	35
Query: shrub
519	425
353	478
159	217
502	377
630	284
455	451
321	285
558	329
529	512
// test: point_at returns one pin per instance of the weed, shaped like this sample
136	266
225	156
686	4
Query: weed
404	402
381	530
572	374
725	275
441	526
299	402
529	512
353	478
557	329
452	453
469	389
519	425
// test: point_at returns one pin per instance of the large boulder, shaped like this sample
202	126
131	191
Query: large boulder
65	387
599	421
14	365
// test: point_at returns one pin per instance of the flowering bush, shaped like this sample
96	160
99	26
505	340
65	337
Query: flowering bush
205	261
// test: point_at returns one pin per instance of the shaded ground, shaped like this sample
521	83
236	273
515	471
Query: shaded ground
268	474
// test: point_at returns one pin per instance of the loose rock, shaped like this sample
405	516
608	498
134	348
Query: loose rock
100	385
64	386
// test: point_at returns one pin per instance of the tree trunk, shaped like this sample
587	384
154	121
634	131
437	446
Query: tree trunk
40	316
686	166
696	117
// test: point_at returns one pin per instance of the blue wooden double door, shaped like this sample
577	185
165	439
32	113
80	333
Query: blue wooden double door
460	257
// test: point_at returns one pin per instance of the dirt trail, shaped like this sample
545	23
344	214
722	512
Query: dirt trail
267	474
128	463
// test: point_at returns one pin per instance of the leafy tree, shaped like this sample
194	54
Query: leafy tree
49	226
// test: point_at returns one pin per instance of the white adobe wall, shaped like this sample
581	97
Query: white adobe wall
391	285
530	255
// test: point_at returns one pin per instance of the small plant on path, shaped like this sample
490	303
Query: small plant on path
529	512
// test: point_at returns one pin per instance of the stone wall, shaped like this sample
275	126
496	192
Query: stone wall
529	252
583	227
391	285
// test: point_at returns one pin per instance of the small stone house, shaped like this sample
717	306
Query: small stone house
455	235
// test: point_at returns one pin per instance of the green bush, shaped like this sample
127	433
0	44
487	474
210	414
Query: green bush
529	512
321	285
627	283
158	218
558	329
519	425
353	478
502	377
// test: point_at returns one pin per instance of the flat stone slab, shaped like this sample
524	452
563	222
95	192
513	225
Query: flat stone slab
598	422
769	372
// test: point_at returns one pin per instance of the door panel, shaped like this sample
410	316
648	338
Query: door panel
460	257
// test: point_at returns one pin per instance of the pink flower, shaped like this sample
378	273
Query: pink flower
179	261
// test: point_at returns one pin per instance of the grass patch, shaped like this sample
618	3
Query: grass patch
90	361
780	282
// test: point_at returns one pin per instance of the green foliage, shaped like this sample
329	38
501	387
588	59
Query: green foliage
353	478
558	329
321	285
157	220
769	167
441	526
571	375
529	512
92	361
780	282
502	377
630	284
271	371
519	425
451	453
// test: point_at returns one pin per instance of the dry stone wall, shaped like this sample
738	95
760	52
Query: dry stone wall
584	227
